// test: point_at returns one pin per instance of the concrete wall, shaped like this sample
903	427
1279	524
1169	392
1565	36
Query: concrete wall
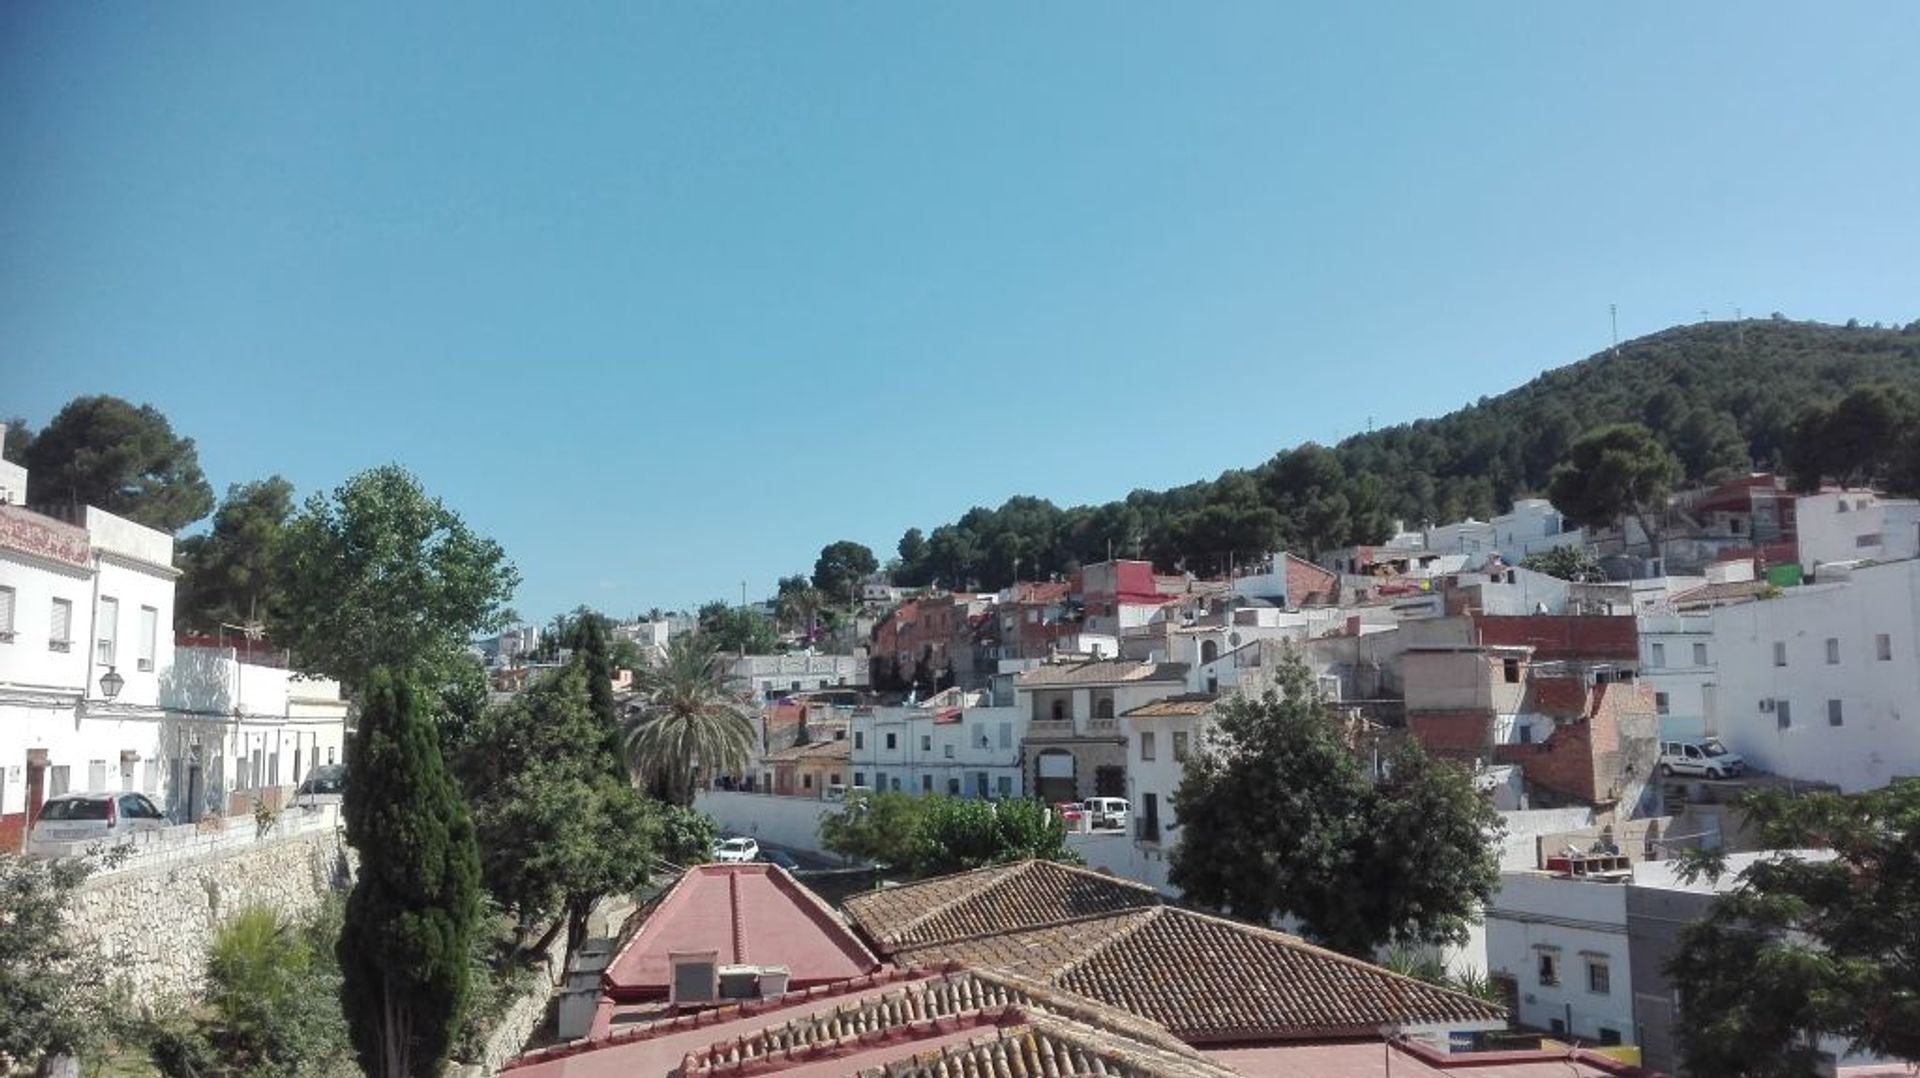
153	923
793	822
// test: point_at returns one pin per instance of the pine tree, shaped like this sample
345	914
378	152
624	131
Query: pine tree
404	948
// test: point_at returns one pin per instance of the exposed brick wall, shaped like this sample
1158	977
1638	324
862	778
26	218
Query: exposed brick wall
1458	735
1564	763
1570	637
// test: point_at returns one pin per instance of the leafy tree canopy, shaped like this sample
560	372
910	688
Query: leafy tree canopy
227	573
1571	562
1613	472
1278	817
557	824
840	569
380	573
933	835
50	987
1803	947
105	452
738	629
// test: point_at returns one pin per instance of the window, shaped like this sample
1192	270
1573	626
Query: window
1779	653
1609	1035
60	635
1510	669
1833	651
149	635
926	742
1834	717
1103	708
1783	713
859	739
859	778
893	741
926	784
1659	655
6	615
1699	654
109	629
947	750
1599	977
1883	647
1059	710
1006	735
1660	702
1867	540
1146	744
96	774
58	779
953	786
1004	785
806	780
1549	975
896	784
1180	746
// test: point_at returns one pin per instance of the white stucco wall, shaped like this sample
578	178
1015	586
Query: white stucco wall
1578	923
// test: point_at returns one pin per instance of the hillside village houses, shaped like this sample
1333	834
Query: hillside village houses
96	692
1782	624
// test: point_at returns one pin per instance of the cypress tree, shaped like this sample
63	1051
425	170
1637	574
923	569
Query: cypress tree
594	654
410	917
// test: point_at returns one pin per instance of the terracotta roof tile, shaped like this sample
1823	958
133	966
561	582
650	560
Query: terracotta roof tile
834	749
1714	594
1209	979
1184	705
988	900
1101	672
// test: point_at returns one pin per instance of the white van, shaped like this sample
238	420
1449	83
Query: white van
1106	812
1705	757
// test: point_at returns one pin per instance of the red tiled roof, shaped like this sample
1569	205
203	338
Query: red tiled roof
751	914
1209	979
1001	897
1103	672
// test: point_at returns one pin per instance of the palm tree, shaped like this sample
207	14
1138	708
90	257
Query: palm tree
690	719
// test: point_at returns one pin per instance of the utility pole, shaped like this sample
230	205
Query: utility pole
1613	312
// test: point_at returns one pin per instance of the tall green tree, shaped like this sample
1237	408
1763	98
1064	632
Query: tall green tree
1855	441
877	828
381	573
740	629
557	823
690	722
103	451
958	834
1804	947
1612	473
404	949
841	567
227	573
1277	816
1571	562
594	657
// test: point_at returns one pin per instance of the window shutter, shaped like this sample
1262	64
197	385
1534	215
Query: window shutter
62	620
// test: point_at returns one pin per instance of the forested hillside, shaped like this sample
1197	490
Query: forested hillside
1722	396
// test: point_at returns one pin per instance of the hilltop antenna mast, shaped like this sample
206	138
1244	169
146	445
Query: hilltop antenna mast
1613	313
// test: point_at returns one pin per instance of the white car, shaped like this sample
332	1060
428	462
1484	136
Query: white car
68	821
735	850
1706	757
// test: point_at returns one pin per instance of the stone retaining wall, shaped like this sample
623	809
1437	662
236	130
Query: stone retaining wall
153	924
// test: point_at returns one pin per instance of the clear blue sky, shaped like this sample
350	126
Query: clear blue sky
666	297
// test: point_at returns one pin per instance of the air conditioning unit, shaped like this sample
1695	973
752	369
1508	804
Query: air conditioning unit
739	982
696	977
774	980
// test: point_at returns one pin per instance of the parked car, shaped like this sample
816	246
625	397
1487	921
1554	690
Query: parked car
1108	812
1070	813
1706	757
736	850
325	785
69	819
780	857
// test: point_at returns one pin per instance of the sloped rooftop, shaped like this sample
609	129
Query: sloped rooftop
1100	672
1026	894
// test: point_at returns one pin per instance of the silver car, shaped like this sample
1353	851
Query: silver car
68	822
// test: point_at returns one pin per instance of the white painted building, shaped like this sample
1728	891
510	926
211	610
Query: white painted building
1822	683
955	745
1563	943
768	676
1852	525
95	696
1676	662
1533	526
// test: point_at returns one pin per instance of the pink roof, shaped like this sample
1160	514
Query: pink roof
659	1048
752	914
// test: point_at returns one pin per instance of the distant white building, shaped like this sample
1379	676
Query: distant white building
1854	525
1676	661
1563	944
769	676
955	745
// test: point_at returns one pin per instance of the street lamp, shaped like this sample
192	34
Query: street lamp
111	683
